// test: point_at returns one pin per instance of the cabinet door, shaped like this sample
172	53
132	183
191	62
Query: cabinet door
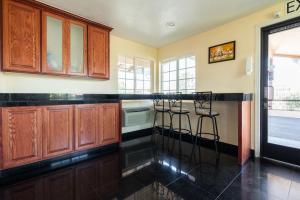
98	52
78	48
58	130
59	186
54	44
109	131
22	130
25	191
85	126
21	37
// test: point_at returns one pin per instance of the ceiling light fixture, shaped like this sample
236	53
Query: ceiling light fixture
170	24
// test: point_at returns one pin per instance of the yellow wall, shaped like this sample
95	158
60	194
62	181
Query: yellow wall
227	76
30	83
220	77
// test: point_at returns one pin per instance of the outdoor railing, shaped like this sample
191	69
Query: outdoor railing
288	105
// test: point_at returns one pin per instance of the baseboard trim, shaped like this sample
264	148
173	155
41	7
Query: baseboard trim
223	147
34	169
136	134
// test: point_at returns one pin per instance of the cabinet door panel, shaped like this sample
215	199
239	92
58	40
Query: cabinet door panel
109	123
55	50
85	126
98	46
58	130
21	37
22	129
78	48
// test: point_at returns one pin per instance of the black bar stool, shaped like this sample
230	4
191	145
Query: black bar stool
160	106
203	106
176	109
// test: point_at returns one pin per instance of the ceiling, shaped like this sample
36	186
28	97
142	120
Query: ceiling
285	43
145	20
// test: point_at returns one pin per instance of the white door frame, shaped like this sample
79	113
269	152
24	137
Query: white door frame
257	132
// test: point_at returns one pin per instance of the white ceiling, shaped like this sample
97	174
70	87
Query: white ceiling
285	43
145	20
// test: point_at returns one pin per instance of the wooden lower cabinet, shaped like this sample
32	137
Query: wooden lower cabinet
21	135
58	130
85	126
109	123
33	133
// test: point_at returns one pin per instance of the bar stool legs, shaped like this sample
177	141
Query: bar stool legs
180	129
215	134
156	128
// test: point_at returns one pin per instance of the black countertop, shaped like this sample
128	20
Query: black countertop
39	99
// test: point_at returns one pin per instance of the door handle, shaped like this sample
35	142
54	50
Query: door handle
269	93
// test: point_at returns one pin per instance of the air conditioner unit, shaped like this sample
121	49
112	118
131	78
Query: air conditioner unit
137	116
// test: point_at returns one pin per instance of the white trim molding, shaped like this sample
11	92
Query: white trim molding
257	133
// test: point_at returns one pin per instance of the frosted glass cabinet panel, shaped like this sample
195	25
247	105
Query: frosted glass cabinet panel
54	49
78	44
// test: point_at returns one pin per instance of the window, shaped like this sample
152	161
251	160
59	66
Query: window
178	75
134	75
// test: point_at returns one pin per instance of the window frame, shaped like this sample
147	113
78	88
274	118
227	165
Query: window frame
134	59
177	59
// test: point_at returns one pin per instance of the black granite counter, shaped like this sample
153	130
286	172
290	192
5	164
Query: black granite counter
39	99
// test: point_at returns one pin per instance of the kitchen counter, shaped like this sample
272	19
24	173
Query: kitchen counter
39	99
243	105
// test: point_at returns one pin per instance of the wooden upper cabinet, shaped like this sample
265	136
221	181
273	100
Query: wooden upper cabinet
85	126
40	39
77	48
98	52
21	135
21	37
55	38
109	123
58	130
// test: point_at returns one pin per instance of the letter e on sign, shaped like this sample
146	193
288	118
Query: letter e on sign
292	6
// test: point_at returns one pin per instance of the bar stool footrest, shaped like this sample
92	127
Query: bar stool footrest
183	131
211	134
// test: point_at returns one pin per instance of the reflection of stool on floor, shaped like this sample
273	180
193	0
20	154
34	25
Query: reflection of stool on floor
175	105
160	106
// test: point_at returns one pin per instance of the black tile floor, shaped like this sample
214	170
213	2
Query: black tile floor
147	171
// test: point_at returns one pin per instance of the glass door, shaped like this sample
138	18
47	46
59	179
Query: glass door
54	44
281	92
78	50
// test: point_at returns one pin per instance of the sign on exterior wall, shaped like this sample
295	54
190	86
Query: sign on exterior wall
292	6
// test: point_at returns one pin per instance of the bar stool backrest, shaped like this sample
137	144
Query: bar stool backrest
203	102
159	101
175	101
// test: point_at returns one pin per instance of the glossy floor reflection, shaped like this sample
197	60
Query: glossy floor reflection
146	171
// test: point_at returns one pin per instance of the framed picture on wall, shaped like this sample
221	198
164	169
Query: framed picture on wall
221	52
